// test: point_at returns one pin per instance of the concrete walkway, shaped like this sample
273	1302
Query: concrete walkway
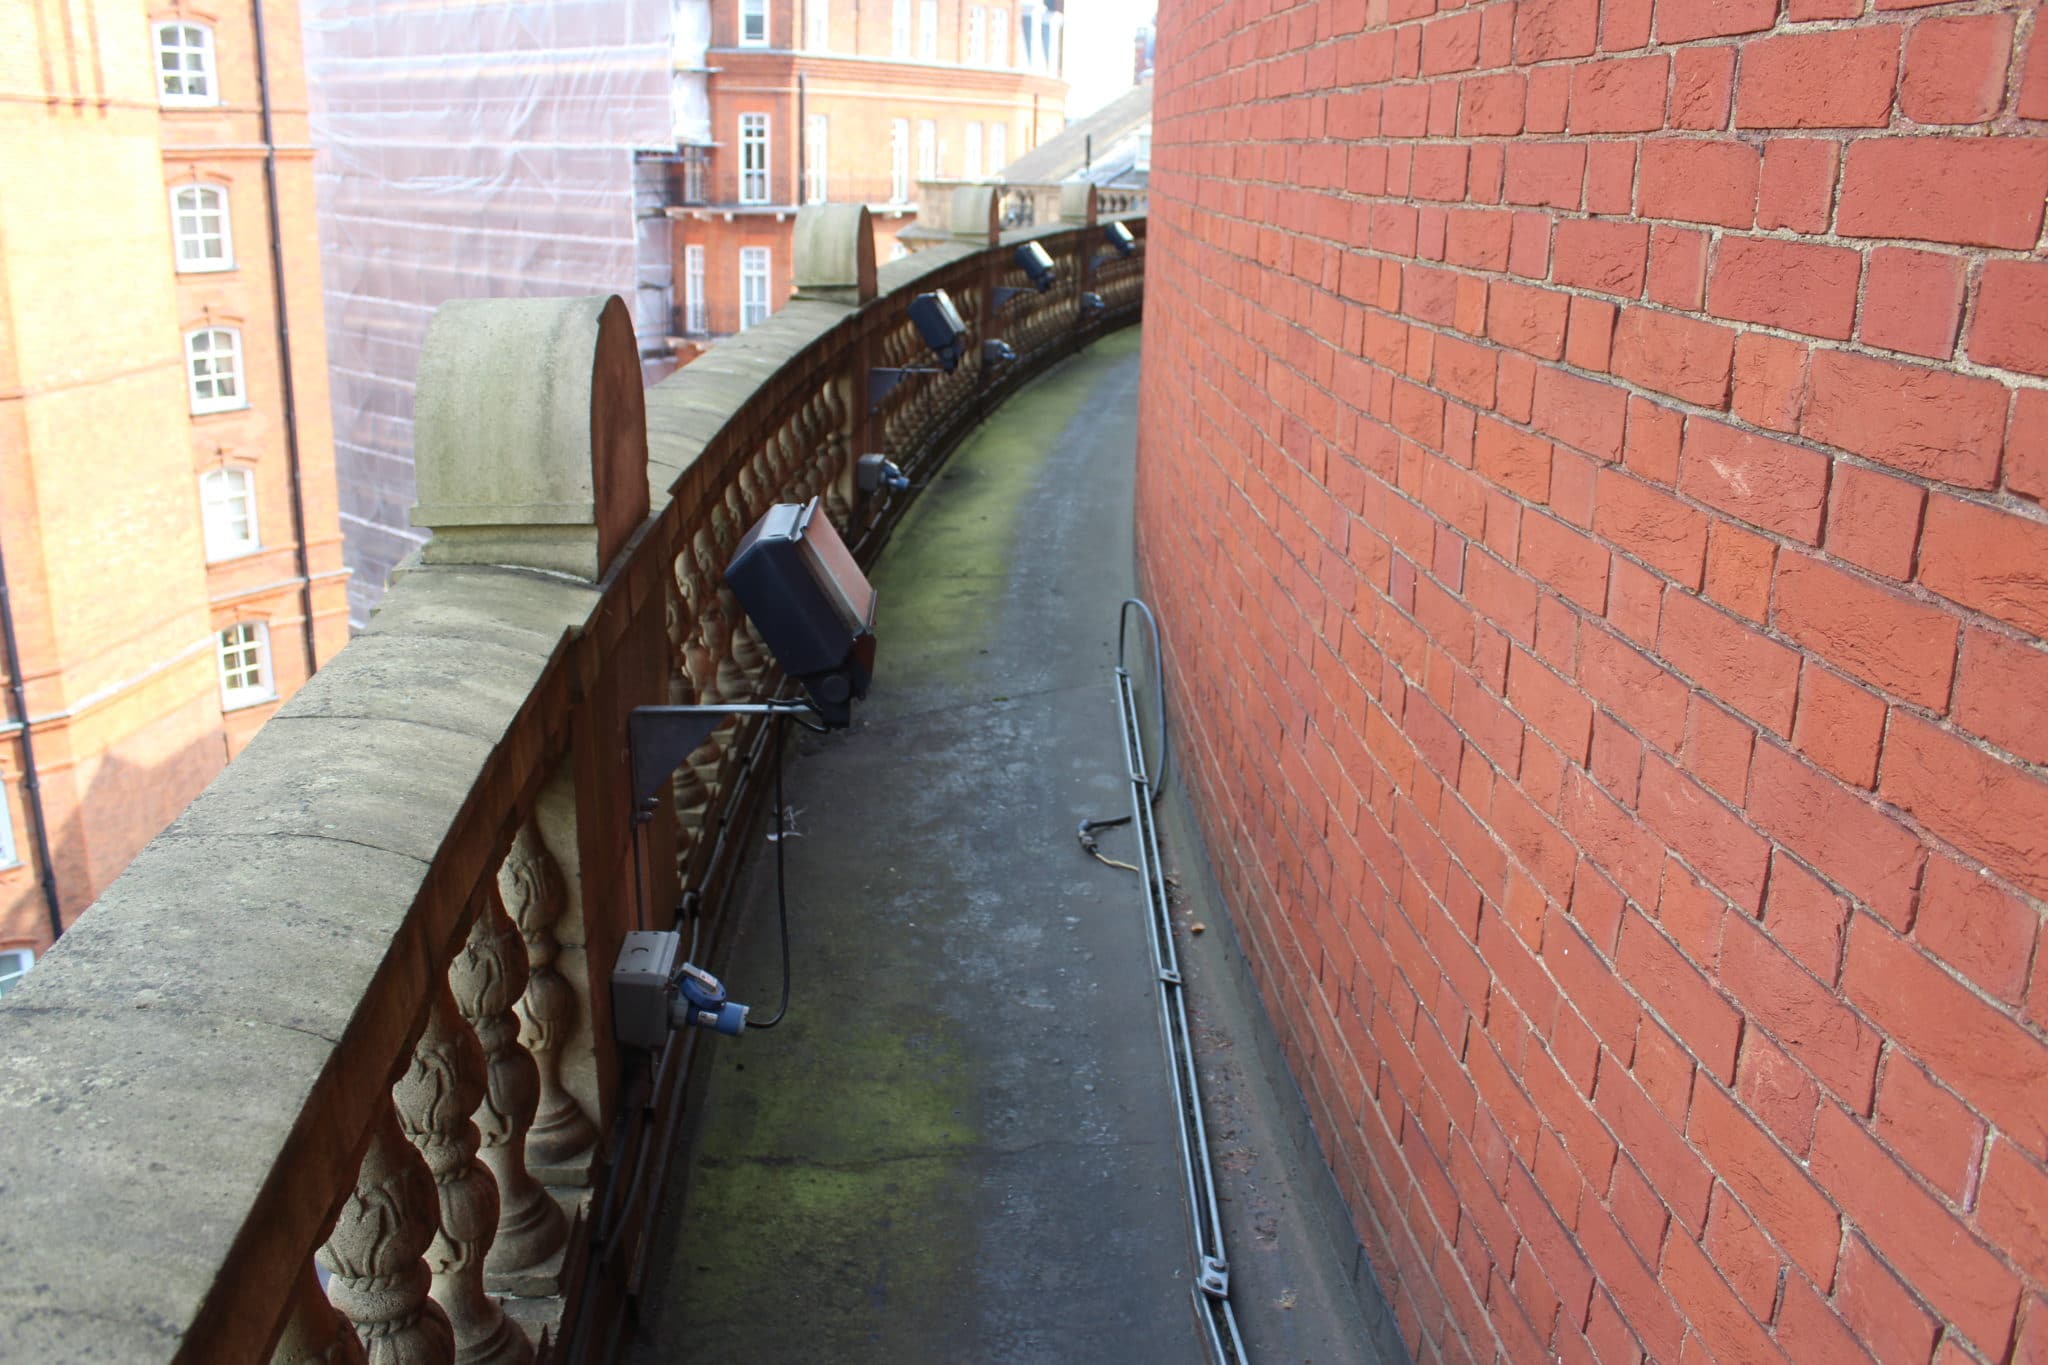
959	1146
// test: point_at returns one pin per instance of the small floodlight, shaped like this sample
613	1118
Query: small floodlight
811	603
1091	304
938	322
1120	237
1036	265
996	354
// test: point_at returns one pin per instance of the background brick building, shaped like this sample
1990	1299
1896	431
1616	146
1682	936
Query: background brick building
1592	467
165	541
812	101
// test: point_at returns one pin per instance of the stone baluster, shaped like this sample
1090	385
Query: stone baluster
442	1087
488	974
377	1278
314	1333
534	896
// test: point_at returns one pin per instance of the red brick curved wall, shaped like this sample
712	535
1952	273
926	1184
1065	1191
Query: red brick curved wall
1591	473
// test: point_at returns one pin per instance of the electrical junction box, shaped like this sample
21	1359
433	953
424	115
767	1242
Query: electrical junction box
647	963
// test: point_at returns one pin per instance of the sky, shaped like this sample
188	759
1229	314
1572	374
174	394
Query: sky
1099	50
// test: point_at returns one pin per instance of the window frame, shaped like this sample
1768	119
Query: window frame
899	160
999	37
25	957
209	65
10	851
928	30
218	548
226	232
977	36
970	151
765	256
201	407
817	158
264	689
927	149
696	308
754	186
751	10
998	151
818	25
899	28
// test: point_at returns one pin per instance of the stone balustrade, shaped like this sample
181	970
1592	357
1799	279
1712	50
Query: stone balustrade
327	1074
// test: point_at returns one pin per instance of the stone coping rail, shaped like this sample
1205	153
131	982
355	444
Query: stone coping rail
327	1073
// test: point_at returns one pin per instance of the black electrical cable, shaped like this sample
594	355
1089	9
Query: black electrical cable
1085	832
781	886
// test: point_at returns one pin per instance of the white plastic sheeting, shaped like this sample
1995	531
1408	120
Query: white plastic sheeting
474	149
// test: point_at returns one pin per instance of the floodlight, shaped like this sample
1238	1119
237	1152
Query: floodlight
995	354
810	602
938	322
1120	237
1037	266
1091	304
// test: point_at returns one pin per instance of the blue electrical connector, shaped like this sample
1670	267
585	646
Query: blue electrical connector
700	1000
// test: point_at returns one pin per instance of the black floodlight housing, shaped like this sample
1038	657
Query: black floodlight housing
996	354
795	577
1037	266
938	322
1091	304
1120	237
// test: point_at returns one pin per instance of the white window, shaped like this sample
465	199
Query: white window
977	36
14	965
693	291
184	65
899	160
753	23
8	858
928	29
998	37
899	28
927	149
816	132
753	158
818	18
227	501
998	147
753	285
200	230
696	160
213	370
972	171
245	665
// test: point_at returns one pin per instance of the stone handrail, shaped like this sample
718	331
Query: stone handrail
327	1073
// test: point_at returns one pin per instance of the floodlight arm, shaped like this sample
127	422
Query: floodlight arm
662	737
883	379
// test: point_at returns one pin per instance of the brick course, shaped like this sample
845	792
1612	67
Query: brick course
1591	473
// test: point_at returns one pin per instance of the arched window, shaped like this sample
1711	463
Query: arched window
184	64
213	370
200	229
227	500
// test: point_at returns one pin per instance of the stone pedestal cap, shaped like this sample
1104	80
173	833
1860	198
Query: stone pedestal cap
834	256
1077	202
530	434
975	214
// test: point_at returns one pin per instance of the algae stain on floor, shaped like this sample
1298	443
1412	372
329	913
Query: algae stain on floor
798	1231
949	565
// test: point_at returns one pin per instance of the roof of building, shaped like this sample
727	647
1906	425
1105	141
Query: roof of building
1061	156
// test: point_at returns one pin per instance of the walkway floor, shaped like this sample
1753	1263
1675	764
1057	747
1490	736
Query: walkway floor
959	1147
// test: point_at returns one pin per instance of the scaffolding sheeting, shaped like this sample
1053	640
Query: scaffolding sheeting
465	150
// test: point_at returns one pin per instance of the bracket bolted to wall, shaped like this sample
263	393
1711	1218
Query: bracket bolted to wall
882	381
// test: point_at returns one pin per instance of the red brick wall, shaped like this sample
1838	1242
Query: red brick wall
1591	472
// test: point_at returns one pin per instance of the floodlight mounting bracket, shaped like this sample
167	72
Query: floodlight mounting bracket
883	379
662	737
